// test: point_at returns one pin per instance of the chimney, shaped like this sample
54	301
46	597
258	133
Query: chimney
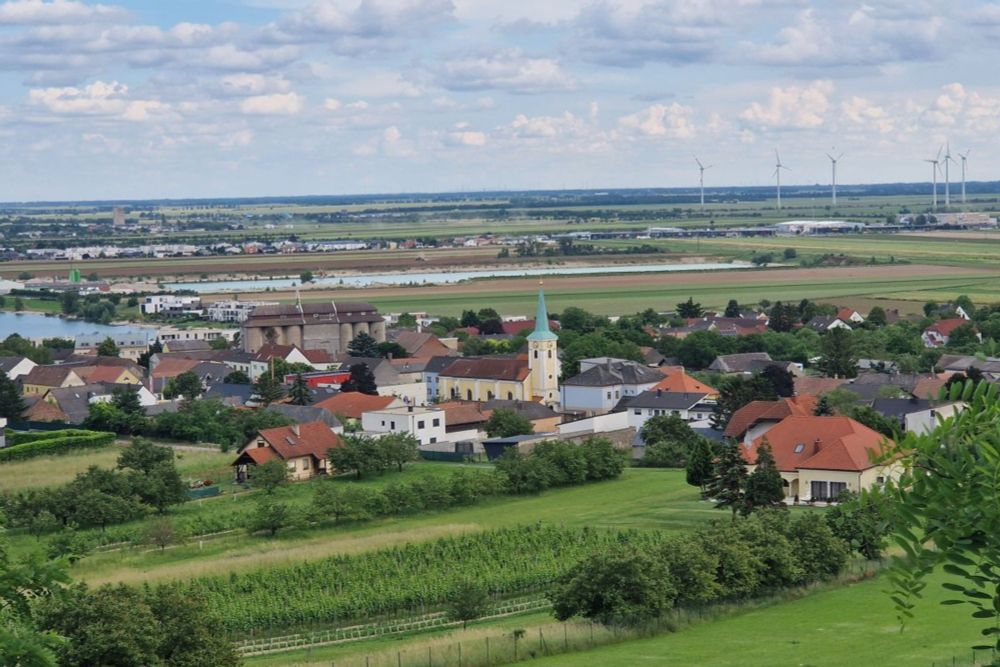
659	392
817	444
295	430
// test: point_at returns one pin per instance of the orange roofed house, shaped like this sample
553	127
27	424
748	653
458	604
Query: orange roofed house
303	448
348	406
757	417
820	457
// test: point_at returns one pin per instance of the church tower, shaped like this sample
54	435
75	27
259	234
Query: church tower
543	357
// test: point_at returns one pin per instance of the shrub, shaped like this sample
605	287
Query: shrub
57	443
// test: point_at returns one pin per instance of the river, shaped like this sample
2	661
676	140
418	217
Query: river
439	277
34	325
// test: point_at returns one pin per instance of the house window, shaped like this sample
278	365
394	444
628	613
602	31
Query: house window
468	394
420	424
392	426
510	396
550	354
436	422
880	480
433	440
799	448
305	464
638	412
291	466
536	354
609	395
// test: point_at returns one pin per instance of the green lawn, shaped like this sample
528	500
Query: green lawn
852	625
54	470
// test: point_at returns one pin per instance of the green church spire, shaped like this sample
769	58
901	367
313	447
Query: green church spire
542	331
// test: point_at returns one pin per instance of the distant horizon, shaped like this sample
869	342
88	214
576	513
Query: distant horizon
789	190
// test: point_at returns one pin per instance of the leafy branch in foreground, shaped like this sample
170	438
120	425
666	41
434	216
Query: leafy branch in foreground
948	510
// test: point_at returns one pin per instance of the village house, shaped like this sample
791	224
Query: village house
421	345
603	382
850	316
679	381
266	355
939	333
303	448
821	457
42	378
824	323
349	406
758	417
690	407
131	345
426	424
15	367
747	363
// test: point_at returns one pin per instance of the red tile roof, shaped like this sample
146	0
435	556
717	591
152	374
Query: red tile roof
945	327
351	404
845	314
289	442
318	356
758	411
683	382
458	413
169	368
820	443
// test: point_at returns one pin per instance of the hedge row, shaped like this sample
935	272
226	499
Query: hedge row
15	438
57	443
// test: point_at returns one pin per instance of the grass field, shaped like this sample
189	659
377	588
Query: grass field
853	625
54	470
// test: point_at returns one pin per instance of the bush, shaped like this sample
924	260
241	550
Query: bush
57	442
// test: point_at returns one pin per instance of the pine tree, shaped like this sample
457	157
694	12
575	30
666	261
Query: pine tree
823	408
363	346
268	389
11	401
764	486
689	309
728	484
732	308
838	360
362	379
300	392
699	465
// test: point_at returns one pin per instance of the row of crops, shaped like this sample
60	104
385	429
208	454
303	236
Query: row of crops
404	580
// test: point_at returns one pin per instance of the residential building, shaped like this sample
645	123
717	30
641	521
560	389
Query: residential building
349	406
649	404
602	383
131	344
167	334
303	448
745	362
421	345
821	457
171	305
15	367
850	316
42	378
757	417
430	373
824	323
939	333
679	381
426	424
326	326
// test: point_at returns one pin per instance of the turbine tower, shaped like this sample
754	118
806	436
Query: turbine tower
701	180
964	158
947	175
777	174
833	165
934	174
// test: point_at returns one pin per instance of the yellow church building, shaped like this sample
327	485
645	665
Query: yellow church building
531	377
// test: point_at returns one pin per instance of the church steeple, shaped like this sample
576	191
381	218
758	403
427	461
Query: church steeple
543	356
542	331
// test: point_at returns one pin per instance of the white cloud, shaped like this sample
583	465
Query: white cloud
506	70
862	111
98	98
465	137
390	142
37	12
792	107
672	121
245	84
278	104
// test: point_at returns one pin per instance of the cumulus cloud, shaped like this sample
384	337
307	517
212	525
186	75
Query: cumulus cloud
390	142
369	26
863	112
38	12
278	104
672	121
509	69
866	36
96	98
792	107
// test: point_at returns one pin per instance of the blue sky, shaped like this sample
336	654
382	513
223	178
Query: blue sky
203	98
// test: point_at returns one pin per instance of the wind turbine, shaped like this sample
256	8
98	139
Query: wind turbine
965	158
833	164
701	180
777	174
947	175
934	171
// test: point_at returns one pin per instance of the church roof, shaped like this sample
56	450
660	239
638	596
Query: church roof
542	331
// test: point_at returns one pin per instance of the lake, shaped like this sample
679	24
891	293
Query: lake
33	325
439	277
